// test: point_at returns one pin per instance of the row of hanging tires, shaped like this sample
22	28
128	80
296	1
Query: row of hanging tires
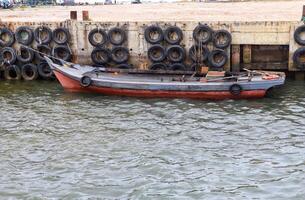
26	61
28	72
109	47
202	34
177	54
25	35
299	54
167	52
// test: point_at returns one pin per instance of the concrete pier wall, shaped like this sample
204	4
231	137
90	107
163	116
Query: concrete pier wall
247	36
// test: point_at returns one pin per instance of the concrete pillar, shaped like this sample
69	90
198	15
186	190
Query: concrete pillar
235	58
85	15
73	15
247	54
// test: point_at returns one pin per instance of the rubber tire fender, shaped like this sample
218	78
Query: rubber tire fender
123	66
212	60
153	28
235	89
40	29
297	58
123	57
85	81
64	49
11	35
105	59
200	28
96	43
228	39
30	55
7	71
12	52
34	70
57	32
42	72
158	66
28	31
44	49
177	66
204	53
119	31
171	49
297	35
169	31
151	52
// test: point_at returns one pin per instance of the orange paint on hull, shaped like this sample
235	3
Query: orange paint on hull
74	86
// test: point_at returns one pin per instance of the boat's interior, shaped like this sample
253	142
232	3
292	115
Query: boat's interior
163	76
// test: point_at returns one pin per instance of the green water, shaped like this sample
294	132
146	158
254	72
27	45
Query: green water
61	145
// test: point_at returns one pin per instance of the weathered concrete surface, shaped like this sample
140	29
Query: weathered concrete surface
237	11
250	23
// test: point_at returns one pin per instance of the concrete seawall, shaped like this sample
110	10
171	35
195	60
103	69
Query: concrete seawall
262	32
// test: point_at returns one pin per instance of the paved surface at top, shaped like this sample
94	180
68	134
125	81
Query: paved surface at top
238	11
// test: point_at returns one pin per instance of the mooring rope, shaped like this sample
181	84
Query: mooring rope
61	60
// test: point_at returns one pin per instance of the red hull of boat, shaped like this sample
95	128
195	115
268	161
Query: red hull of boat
73	85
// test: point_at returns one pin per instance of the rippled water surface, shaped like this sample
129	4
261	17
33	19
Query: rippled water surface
56	144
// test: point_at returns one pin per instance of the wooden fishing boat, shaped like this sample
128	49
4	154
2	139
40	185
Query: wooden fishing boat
252	84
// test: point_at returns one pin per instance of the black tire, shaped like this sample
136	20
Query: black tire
156	53
297	35
114	39
235	89
61	36
173	31
8	55
222	39
202	34
158	66
100	56
92	39
297	58
151	31
214	60
177	67
44	70
175	53
25	55
43	35
120	54
62	52
12	72
85	81
44	49
123	66
6	33
198	54
24	35
29	72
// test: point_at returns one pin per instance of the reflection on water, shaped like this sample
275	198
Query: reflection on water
67	145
